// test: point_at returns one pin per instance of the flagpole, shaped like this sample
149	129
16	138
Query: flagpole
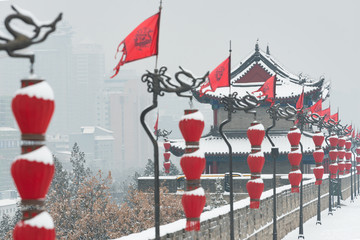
157	55
230	50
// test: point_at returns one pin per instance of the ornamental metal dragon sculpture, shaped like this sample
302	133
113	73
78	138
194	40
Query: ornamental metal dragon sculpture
20	39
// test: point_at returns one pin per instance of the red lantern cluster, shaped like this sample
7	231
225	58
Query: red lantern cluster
167	155
341	155
193	164
295	175
348	157
32	171
333	154
256	160
318	155
358	160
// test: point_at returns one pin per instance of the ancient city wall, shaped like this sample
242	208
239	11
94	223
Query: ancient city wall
253	224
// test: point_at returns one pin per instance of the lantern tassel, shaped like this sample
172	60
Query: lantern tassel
192	225
295	189
254	203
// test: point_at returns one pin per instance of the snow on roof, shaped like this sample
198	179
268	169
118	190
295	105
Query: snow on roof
7	129
104	138
88	129
285	90
8	202
216	145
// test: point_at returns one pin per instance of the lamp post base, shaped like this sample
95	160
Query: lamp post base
301	236
318	222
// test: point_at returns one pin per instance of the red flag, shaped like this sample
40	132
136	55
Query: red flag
219	77
300	102
156	124
335	117
317	107
142	42
353	134
325	112
268	89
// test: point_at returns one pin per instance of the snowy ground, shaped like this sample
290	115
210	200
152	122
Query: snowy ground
343	224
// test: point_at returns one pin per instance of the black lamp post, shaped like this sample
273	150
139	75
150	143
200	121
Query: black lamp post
232	104
158	83
276	113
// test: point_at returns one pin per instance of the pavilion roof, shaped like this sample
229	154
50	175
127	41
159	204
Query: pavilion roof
241	146
251	74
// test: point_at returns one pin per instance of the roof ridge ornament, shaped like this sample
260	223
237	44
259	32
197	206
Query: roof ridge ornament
267	49
257	45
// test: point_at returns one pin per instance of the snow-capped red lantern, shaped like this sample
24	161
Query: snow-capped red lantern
333	168
32	173
333	139
358	150
358	169
167	156
255	187
318	138
333	154
256	133
348	144
193	203
318	155
347	167
40	227
295	158
341	153
341	165
256	162
318	172
167	167
167	146
341	142
33	107
294	136
348	155
358	159
193	164
295	179
191	126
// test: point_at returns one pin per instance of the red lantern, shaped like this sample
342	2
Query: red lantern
40	227
167	167
318	155
358	150
33	172
341	153
347	167
256	162
348	155
33	107
193	203
166	156
348	144
295	179
358	169
295	158
318	138
193	164
333	155
318	172
333	140
341	167
256	133
255	187
167	146
341	142
333	168
358	159
191	126
294	136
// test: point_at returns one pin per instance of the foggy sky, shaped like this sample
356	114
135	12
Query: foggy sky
311	37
